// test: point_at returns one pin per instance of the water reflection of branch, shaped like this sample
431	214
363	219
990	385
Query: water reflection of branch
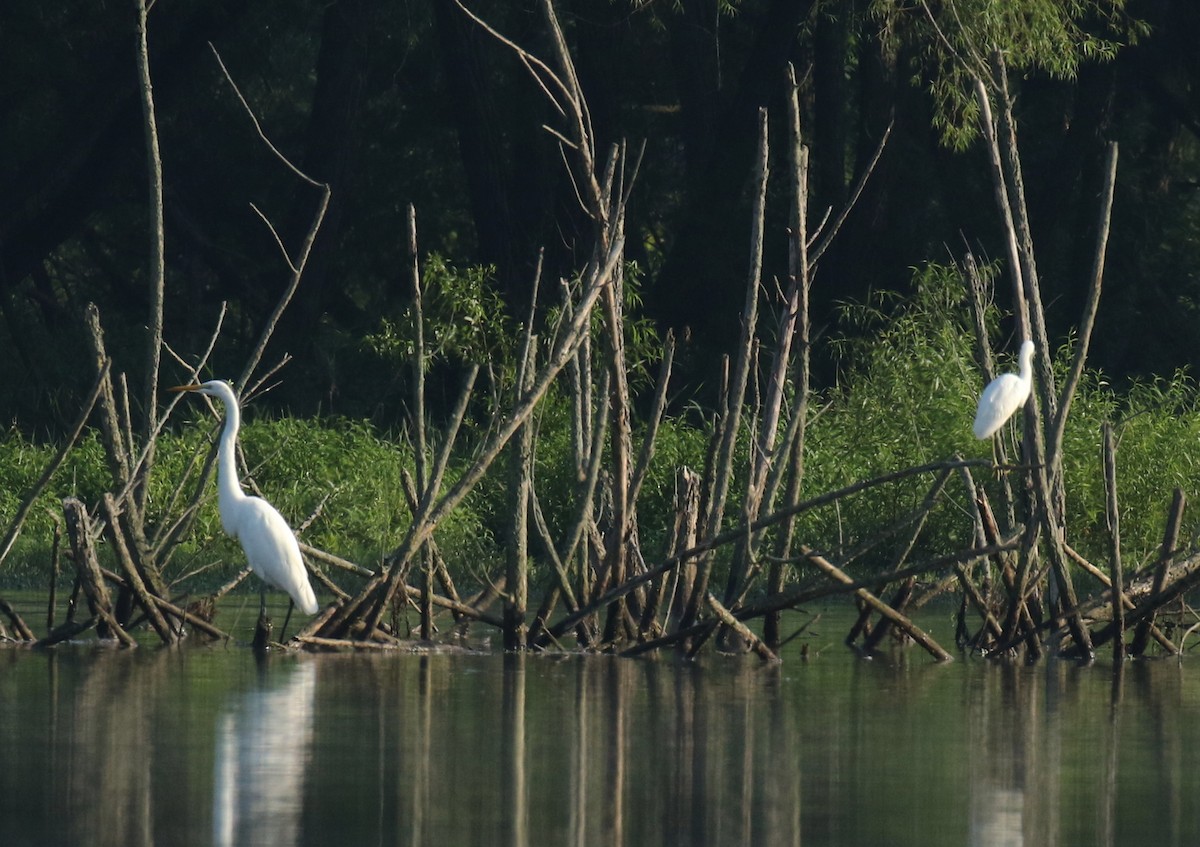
515	796
109	780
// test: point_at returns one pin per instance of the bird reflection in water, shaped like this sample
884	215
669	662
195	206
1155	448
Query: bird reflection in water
263	745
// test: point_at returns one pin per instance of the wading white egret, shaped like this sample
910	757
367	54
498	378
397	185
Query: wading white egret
1004	395
268	541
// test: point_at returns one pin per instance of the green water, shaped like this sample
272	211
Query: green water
207	745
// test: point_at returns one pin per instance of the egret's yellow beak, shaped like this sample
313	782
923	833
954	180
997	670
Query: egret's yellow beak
195	386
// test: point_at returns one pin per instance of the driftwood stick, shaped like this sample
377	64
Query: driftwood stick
423	520
345	644
344	615
333	588
883	609
338	562
683	535
560	587
904	593
727	618
623	518
899	602
295	265
67	631
1151	604
688	511
1126	601
466	610
23	632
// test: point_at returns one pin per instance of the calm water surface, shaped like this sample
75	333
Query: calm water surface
211	746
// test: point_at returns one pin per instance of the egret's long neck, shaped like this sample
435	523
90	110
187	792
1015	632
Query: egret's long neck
1027	365
229	490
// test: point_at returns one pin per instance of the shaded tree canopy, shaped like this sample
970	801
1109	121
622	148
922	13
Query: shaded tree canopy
411	102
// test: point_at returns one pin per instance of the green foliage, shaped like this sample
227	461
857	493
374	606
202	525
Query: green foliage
1157	428
643	346
907	397
343	474
464	319
955	41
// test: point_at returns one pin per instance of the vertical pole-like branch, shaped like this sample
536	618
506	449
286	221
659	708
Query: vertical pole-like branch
1088	320
683	537
798	269
418	415
737	393
418	420
157	276
517	551
617	553
999	187
1114	535
1022	232
1006	181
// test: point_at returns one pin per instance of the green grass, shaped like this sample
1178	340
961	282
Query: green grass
905	396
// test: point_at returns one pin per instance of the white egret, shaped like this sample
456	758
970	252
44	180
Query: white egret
268	541
1004	395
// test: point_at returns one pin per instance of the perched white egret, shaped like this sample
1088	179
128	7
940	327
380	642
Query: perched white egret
1004	395
268	541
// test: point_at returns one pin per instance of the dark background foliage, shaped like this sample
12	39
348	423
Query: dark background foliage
410	102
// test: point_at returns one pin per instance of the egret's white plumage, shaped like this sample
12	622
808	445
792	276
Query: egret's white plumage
1004	395
268	541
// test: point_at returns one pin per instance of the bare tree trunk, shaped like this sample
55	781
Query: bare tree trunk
90	577
517	550
157	275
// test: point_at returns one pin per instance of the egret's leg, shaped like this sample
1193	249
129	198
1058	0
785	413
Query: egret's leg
262	630
286	618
